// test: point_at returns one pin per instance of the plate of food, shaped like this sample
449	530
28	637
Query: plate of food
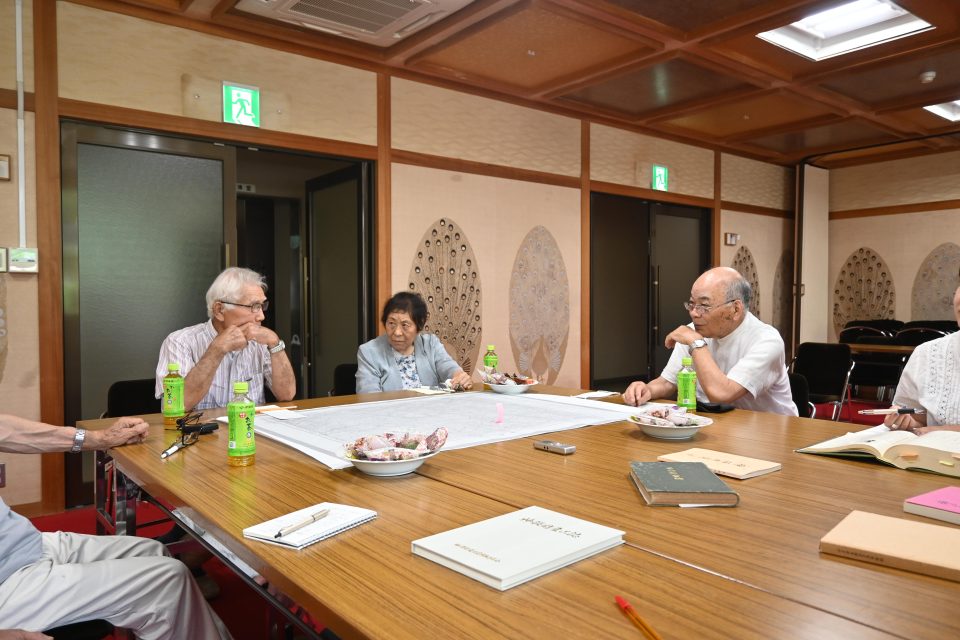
393	454
509	383
669	422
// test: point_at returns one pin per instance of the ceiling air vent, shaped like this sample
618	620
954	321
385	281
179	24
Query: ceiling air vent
377	22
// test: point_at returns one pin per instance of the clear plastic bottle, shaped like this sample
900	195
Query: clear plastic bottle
172	403
241	448
490	360
687	385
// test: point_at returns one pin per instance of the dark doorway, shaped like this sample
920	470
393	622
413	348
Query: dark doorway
644	256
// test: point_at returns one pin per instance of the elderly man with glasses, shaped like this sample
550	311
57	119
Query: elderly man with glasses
231	346
739	360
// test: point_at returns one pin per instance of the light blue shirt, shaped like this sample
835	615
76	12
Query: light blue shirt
20	543
377	368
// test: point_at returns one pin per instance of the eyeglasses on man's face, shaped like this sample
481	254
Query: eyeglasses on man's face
256	307
703	309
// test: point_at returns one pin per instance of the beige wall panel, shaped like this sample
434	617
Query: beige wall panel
766	237
19	340
495	214
625	157
117	60
885	235
816	307
8	45
908	181
758	183
440	122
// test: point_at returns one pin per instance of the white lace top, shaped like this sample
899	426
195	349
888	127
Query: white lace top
931	380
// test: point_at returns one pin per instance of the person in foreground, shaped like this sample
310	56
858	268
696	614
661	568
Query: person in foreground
232	345
52	579
404	358
739	360
931	381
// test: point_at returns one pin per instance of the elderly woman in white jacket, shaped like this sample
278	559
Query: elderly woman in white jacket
931	381
404	358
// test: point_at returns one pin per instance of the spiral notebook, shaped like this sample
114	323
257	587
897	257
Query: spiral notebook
339	517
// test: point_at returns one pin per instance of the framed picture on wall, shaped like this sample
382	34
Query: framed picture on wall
4	167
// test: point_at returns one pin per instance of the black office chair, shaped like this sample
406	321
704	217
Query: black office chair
800	391
131	398
344	380
863	334
86	630
947	326
888	326
827	368
913	336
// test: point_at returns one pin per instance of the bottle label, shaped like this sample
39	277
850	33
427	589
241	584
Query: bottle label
240	429
490	360
172	397
687	390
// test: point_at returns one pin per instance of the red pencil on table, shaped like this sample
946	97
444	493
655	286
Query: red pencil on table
637	620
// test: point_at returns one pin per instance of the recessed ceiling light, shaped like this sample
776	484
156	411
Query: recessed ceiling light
848	27
948	110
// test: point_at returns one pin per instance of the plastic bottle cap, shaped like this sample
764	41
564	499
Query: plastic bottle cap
489	347
240	387
687	361
173	366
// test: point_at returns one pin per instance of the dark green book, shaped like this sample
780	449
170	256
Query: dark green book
676	483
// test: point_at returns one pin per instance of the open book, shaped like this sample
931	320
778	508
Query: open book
299	529
937	451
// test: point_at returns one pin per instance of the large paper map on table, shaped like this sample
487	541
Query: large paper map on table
470	418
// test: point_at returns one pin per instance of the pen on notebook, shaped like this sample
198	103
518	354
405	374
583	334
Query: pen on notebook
890	411
637	621
285	531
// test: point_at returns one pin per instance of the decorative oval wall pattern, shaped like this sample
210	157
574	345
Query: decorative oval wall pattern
539	306
743	263
864	289
783	295
3	324
444	271
935	284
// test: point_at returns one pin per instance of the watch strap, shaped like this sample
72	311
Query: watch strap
277	348
696	344
78	438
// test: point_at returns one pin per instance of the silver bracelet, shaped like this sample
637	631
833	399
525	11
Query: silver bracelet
78	440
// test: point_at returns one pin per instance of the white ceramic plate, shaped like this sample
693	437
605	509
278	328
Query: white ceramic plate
390	467
510	389
670	432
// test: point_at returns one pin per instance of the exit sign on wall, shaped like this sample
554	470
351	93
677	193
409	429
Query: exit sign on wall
659	178
241	104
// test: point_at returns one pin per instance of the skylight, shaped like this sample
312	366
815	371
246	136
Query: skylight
848	27
948	110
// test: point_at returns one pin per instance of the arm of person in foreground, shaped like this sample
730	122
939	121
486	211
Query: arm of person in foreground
283	383
20	634
639	392
713	381
448	369
368	374
19	435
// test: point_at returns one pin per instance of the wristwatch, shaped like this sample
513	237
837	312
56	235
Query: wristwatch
696	344
280	346
78	440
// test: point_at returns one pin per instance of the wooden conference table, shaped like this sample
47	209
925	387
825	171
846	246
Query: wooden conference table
749	572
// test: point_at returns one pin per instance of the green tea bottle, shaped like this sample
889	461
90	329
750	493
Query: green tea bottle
241	448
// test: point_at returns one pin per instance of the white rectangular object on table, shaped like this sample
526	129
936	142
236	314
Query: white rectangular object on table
511	549
339	518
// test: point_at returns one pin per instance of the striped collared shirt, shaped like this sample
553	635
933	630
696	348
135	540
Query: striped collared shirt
251	364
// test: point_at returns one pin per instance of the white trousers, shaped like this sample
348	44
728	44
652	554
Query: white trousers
130	582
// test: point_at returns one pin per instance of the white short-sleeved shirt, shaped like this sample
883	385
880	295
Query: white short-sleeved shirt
753	357
251	364
931	380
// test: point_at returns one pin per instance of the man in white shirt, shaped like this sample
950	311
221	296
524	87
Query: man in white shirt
739	360
231	346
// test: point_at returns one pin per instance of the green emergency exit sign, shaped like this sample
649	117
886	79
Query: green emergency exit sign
660	177
241	104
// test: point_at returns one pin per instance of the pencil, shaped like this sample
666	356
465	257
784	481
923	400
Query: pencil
637	620
269	409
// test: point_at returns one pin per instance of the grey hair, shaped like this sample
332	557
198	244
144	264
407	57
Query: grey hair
741	290
230	284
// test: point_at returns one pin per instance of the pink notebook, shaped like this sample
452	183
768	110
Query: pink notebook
942	504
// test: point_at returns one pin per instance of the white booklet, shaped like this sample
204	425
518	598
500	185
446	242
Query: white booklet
338	517
508	550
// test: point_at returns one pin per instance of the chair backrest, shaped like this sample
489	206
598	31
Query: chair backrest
826	366
948	326
913	336
860	333
800	391
887	325
131	398
344	379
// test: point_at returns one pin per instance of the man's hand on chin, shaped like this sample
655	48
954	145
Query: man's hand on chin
681	335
